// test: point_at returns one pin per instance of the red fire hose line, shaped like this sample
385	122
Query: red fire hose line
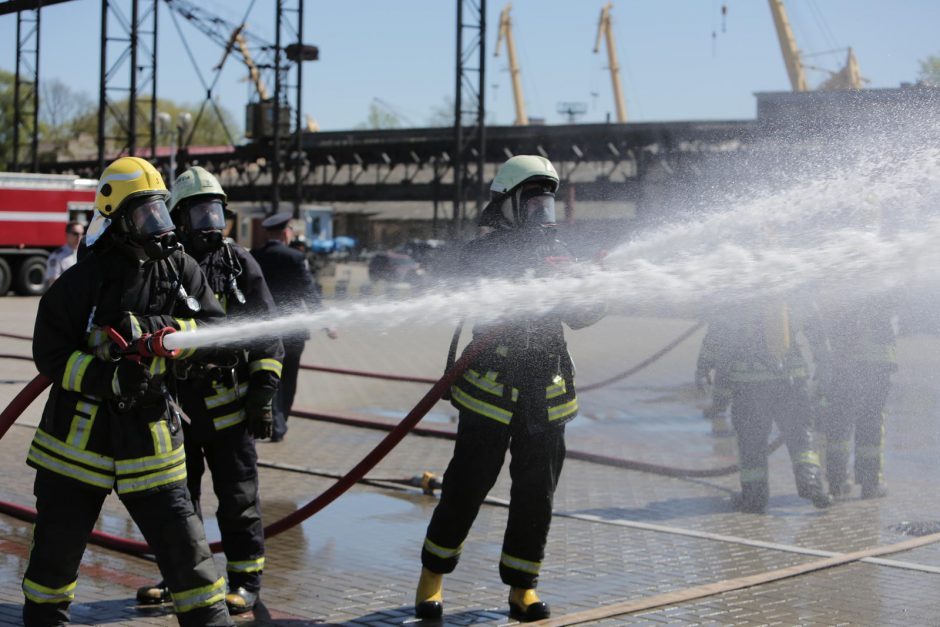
40	382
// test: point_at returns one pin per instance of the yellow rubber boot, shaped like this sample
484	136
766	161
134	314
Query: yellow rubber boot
429	597
525	605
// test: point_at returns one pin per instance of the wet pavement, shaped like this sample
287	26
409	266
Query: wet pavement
618	535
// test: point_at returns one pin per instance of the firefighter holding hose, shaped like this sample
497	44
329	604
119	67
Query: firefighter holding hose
112	421
517	395
228	395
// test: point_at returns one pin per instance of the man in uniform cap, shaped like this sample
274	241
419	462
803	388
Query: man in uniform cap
294	289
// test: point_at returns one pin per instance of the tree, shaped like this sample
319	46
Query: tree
930	70
380	118
59	109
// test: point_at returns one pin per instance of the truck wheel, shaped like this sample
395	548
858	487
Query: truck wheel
30	278
5	277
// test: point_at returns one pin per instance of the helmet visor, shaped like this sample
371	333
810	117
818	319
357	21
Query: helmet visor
149	218
539	210
207	215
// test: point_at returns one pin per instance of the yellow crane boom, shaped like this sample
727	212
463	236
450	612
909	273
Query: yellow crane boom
605	29
505	33
791	54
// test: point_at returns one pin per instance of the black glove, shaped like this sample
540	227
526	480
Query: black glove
258	408
130	379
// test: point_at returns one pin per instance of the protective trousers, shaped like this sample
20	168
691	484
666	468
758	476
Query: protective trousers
856	401
284	398
232	460
479	452
754	409
66	516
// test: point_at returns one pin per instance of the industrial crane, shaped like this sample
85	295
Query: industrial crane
505	32
605	29
845	79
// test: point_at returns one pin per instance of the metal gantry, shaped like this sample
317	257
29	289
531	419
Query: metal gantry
469	111
26	87
123	36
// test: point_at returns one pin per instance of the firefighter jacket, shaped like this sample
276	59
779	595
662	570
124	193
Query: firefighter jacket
87	434
214	388
527	372
759	345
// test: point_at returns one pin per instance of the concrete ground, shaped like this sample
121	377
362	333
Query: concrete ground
357	561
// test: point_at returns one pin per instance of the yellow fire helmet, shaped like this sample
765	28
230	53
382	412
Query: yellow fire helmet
126	178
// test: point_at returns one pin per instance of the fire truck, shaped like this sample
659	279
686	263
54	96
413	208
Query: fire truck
34	209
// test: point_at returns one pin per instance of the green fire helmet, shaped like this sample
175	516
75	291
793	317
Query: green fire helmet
195	181
521	168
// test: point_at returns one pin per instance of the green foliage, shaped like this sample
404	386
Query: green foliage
379	118
6	118
930	70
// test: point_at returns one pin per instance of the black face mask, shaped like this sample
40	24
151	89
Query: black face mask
161	246
202	243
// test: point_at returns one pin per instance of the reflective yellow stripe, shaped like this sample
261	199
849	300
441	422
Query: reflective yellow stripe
38	593
135	327
486	383
97	337
475	405
229	420
563	411
188	600
760	376
157	366
160	434
73	453
185	324
80	430
557	388
75	371
66	469
225	395
440	551
271	365
520	564
753	475
807	457
246	566
151	462
152	480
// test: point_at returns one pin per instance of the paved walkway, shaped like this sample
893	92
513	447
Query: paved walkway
357	561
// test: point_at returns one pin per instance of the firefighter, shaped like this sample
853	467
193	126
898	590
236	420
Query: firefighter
112	422
853	389
228	397
768	379
517	395
294	289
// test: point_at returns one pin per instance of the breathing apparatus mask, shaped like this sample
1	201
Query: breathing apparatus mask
146	228
202	225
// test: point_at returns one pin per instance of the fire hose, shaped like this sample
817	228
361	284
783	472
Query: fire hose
40	382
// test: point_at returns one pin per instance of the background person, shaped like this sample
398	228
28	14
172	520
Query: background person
65	256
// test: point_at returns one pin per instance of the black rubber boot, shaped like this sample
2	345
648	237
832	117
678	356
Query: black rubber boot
525	605
809	485
154	595
752	498
240	600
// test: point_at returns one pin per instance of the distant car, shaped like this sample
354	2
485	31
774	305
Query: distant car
394	267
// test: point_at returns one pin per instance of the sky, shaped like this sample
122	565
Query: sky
678	60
